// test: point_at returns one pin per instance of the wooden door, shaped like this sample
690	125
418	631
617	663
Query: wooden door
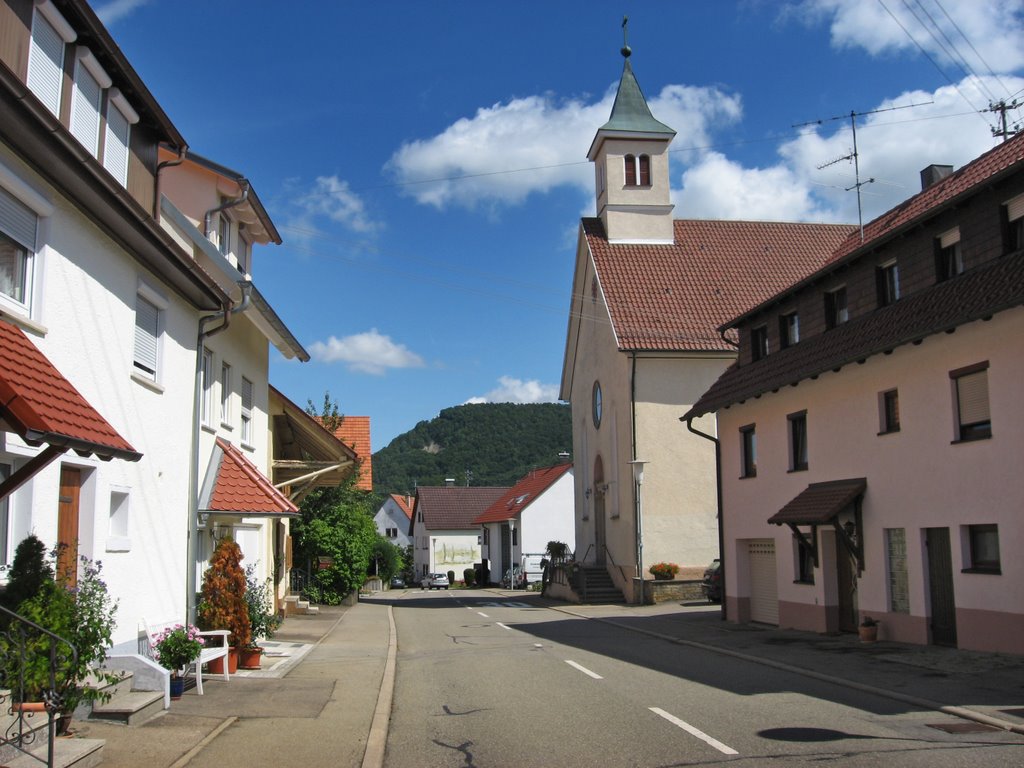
67	524
940	586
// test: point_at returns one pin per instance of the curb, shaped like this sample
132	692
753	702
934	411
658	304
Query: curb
948	709
377	739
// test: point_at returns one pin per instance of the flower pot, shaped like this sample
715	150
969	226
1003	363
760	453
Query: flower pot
663	577
28	706
216	666
177	687
868	634
249	658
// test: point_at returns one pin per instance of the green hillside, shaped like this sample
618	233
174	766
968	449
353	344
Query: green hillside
497	442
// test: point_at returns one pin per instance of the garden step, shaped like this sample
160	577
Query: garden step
67	753
131	708
312	610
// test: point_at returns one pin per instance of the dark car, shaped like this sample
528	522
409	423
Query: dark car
712	582
398	583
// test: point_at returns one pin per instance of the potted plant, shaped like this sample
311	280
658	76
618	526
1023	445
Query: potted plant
223	605
175	648
664	571
76	607
263	621
868	630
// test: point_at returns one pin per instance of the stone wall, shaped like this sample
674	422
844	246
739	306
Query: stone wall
672	590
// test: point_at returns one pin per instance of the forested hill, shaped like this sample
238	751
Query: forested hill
498	442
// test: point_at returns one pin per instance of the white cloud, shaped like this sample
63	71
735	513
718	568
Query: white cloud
993	27
112	12
332	198
370	352
542	141
510	390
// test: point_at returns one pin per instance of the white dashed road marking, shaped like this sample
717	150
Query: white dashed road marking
583	669
693	731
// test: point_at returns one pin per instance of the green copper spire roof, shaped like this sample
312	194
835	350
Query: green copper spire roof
630	112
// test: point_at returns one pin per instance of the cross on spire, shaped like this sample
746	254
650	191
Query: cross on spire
626	50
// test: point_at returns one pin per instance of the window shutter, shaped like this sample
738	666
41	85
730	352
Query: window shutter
630	162
645	170
85	109
115	149
17	220
1015	208
147	318
246	394
46	63
949	238
972	393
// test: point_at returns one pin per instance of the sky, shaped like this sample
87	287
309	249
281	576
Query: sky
425	162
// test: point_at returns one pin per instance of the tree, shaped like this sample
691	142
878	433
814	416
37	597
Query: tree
329	416
386	559
223	604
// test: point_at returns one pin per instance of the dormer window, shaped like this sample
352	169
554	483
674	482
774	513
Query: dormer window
836	312
638	171
949	259
759	342
888	279
1013	211
50	33
789	329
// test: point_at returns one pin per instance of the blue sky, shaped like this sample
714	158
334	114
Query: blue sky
425	162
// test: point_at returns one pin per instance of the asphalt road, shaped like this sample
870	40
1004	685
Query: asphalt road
487	681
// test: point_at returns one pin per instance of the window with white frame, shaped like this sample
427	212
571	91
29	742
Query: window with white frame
225	394
149	321
391	533
120	119
50	34
887	277
118	525
789	329
206	376
797	441
836	310
246	411
87	99
18	227
224	234
949	259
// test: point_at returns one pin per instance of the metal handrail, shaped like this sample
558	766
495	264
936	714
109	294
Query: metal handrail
15	653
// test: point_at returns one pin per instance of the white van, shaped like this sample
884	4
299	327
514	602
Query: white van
531	566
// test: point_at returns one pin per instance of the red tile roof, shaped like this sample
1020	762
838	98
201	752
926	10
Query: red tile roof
42	406
522	494
241	488
453	507
404	504
354	431
674	297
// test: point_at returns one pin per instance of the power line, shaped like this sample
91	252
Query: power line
976	51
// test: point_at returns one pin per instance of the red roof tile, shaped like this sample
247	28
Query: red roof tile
674	297
239	487
404	504
523	494
42	406
453	507
354	431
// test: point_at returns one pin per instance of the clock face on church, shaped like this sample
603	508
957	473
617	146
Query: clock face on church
597	405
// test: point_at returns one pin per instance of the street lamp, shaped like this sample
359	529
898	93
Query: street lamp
511	552
638	481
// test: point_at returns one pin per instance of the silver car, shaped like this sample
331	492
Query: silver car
435	581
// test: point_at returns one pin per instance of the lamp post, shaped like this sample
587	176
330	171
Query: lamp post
638	482
511	551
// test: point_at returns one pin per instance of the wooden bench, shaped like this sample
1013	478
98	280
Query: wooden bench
215	646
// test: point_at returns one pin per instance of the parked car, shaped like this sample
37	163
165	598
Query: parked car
397	582
712	582
435	581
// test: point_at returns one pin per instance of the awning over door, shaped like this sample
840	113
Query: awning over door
38	403
820	502
235	486
305	455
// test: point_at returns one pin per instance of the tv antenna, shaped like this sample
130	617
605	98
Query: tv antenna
853	154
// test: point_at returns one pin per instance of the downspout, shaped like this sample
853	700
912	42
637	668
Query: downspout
718	491
193	471
208	217
637	522
730	342
182	151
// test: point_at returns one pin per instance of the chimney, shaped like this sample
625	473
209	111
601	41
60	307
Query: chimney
933	174
449	482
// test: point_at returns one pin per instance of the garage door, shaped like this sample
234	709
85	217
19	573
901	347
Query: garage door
764	591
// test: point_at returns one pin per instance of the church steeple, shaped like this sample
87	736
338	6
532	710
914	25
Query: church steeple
630	153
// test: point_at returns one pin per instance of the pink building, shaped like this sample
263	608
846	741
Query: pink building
872	432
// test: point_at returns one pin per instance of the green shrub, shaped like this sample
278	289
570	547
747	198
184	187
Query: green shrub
470	576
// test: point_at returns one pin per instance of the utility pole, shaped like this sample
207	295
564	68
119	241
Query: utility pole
1002	108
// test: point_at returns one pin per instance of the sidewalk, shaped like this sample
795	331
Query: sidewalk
314	708
984	687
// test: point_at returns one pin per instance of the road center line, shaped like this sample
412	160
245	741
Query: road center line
503	626
583	669
694	731
483	614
